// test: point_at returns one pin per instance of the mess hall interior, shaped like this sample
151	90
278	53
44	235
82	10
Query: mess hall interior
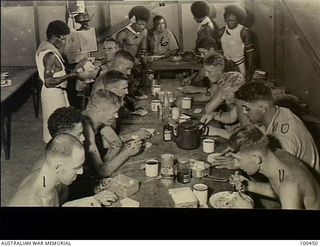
160	104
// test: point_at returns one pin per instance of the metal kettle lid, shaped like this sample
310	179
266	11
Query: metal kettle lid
188	125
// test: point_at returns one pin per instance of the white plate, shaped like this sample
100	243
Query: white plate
225	199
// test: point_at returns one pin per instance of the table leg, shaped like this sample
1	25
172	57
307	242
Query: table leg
5	133
35	94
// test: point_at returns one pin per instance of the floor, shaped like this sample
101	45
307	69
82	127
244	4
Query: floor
26	147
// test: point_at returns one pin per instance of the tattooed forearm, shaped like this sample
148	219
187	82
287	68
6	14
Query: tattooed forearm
113	150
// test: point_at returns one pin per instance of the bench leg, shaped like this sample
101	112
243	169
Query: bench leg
5	134
35	95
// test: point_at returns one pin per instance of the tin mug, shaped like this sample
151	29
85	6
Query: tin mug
154	104
175	112
186	103
208	146
151	168
155	89
201	193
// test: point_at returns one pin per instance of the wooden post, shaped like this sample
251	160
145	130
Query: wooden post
36	22
180	26
279	46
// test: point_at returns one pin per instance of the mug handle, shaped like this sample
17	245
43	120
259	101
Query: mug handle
143	167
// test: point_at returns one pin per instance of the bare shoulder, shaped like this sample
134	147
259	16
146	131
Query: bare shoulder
49	58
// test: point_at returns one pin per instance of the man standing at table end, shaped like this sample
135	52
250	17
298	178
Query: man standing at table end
133	38
52	72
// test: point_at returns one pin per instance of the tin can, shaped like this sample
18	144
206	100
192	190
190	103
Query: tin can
155	89
167	168
154	104
186	103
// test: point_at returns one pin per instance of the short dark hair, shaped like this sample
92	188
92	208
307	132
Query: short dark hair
254	91
113	76
237	11
248	138
125	54
200	9
140	12
214	60
158	18
112	40
207	43
57	27
62	119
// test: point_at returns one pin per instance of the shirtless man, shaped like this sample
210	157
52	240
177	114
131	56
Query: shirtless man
110	47
133	38
289	179
63	161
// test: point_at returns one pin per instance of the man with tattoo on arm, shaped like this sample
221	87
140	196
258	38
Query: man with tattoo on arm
289	179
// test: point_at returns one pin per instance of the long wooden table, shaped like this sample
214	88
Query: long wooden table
19	77
166	64
153	193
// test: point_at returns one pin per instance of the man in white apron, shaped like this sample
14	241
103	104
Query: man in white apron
236	41
52	73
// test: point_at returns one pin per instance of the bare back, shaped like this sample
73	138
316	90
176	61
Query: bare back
295	184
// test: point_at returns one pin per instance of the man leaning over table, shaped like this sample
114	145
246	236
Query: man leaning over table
286	130
52	71
207	46
289	179
105	150
64	156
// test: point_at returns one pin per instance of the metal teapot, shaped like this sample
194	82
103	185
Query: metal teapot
188	135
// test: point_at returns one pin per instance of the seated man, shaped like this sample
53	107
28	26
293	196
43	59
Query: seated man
207	46
110	48
228	85
286	129
63	161
289	179
133	38
122	61
161	40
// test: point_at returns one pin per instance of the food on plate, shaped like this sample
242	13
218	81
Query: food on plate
226	199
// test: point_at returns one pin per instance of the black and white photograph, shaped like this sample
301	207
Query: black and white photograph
188	106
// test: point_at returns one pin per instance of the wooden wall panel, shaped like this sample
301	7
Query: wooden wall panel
48	14
300	77
18	43
263	28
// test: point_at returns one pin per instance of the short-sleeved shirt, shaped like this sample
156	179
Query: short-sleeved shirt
294	137
160	43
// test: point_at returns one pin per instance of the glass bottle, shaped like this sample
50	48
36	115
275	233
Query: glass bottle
183	171
167	132
166	107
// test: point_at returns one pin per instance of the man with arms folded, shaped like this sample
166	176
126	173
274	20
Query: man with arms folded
63	161
289	179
